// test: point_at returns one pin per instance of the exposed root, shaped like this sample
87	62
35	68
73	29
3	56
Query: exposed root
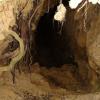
19	56
30	20
36	10
84	4
85	19
48	6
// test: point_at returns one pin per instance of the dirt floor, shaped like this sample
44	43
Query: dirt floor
44	84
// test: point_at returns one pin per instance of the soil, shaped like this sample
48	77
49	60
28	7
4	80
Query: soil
44	84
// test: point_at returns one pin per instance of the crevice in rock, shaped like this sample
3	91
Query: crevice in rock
53	48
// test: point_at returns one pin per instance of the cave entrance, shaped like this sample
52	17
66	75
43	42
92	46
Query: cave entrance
52	47
56	52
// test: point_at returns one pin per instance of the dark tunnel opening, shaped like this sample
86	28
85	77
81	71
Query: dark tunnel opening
53	49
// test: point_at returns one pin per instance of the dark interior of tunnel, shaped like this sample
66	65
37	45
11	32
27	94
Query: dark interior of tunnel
52	43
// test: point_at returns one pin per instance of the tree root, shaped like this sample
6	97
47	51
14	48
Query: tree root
18	57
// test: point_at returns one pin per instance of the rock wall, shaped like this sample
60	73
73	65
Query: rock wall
83	29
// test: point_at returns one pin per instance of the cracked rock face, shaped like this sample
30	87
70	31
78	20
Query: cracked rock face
93	39
6	17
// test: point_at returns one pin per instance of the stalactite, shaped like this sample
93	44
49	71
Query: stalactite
60	15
